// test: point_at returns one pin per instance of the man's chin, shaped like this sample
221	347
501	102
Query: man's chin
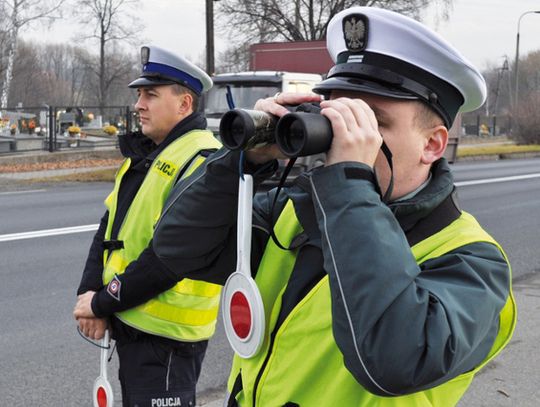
146	130
149	133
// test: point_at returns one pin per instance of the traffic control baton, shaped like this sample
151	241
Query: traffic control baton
103	393
242	307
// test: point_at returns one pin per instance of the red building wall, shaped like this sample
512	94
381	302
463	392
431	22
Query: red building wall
298	56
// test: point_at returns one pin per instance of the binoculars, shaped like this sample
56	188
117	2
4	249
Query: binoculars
302	132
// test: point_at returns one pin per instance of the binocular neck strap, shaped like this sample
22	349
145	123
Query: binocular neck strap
282	180
388	155
286	172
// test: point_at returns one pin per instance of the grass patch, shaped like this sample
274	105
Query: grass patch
467	151
102	175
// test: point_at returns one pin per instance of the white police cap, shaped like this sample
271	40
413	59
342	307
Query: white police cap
385	53
162	67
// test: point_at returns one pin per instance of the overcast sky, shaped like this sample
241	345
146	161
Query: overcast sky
483	30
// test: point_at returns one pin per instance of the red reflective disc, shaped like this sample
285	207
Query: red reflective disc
101	397
240	315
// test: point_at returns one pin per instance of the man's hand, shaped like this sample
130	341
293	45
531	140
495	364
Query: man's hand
274	106
93	328
83	308
356	132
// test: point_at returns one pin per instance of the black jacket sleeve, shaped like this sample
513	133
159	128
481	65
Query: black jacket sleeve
142	280
93	270
196	235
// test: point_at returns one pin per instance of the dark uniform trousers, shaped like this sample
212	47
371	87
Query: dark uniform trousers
157	372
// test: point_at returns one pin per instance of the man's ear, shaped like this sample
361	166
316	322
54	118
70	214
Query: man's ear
186	104
435	144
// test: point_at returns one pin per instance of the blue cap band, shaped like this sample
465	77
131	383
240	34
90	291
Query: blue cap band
171	72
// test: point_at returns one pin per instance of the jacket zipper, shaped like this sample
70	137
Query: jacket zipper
263	366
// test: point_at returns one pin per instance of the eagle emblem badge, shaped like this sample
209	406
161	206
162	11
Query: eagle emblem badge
145	55
355	32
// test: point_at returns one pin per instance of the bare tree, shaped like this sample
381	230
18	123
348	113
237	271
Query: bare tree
4	28
498	80
112	22
41	74
18	14
525	115
65	67
234	59
249	21
527	119
63	75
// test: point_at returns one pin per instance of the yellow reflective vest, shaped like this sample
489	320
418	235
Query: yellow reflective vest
188	310
305	366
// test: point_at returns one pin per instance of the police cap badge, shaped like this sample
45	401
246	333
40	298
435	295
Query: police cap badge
355	30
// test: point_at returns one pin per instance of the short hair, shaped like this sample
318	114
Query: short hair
426	117
181	90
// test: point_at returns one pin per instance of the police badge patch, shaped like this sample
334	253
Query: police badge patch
355	32
113	288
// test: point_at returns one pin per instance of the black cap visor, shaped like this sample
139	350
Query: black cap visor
361	85
151	81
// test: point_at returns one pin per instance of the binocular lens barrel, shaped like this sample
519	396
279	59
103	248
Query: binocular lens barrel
301	134
242	129
297	134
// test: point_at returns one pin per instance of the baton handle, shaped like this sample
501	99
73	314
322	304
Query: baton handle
104	354
244	221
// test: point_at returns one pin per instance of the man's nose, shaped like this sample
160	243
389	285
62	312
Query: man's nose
139	105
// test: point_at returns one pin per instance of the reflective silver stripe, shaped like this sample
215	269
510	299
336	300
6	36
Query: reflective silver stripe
168	372
343	295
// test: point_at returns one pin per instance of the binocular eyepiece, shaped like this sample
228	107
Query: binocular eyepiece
300	133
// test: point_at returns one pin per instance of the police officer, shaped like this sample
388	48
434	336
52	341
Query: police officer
160	321
389	294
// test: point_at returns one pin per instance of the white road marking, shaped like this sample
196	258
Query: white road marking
48	232
22	192
494	180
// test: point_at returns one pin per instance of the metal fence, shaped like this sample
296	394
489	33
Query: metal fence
55	128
